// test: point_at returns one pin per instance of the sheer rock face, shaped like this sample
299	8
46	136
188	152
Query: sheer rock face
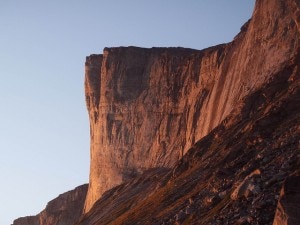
148	106
231	176
63	210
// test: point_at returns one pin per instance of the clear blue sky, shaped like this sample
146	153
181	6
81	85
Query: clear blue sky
44	128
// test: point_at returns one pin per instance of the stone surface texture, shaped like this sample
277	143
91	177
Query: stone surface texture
288	207
184	136
147	107
231	176
66	209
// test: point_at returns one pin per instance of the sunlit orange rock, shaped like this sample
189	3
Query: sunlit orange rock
148	106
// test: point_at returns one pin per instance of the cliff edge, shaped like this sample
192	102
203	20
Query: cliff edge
147	107
185	136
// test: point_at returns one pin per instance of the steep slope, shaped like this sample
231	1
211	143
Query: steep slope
63	210
147	107
231	176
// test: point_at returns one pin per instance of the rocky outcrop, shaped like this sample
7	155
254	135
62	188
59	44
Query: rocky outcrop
63	210
148	106
28	220
231	176
183	136
288	207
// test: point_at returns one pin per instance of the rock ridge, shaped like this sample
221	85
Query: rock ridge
66	209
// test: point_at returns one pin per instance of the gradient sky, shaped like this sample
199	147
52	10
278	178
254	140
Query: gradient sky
44	128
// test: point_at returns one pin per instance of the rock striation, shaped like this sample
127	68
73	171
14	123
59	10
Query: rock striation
66	209
234	175
147	107
184	136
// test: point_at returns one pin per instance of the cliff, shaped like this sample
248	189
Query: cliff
184	136
234	175
63	210
147	107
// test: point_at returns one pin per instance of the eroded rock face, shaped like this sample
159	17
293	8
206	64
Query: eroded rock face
148	106
63	210
231	176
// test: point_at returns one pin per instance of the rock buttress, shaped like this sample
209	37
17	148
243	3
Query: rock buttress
148	106
66	209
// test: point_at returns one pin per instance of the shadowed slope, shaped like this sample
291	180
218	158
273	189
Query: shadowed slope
231	176
147	107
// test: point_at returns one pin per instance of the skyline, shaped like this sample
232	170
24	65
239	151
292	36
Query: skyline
44	121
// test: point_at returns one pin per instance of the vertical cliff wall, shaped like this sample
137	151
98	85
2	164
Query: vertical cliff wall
148	106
